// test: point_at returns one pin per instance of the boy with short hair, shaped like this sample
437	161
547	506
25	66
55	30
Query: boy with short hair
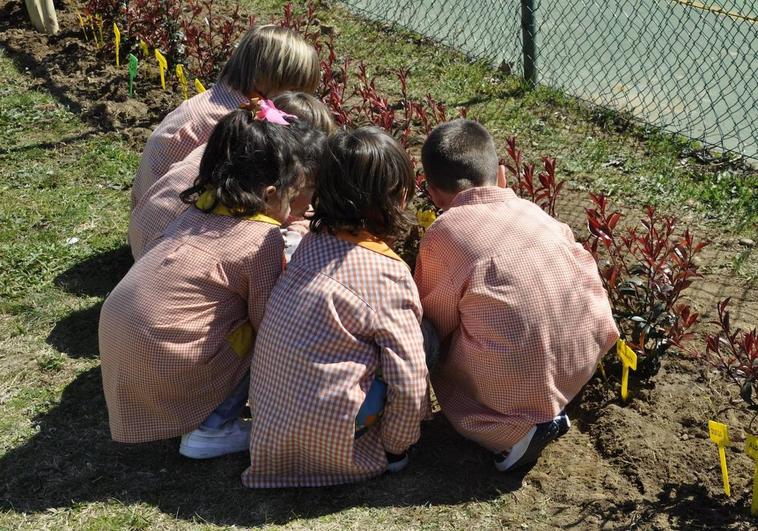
518	304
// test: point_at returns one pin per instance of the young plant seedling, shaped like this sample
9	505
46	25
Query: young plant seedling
628	361
144	48
182	81
117	35
719	434
132	72
81	25
162	66
751	449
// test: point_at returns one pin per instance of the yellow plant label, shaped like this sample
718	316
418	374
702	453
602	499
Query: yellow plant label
627	355
117	35
425	218
162	66
144	48
719	434
628	361
182	81
751	447
199	86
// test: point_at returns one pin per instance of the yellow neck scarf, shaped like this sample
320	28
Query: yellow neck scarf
207	200
368	241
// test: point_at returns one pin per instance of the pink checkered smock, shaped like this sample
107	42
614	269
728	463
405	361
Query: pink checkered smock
522	308
161	204
184	129
340	312
177	332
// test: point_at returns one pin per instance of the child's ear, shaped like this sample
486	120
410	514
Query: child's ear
269	193
502	182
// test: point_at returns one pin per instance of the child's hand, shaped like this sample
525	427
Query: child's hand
301	227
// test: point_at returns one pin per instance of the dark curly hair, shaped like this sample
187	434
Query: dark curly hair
242	157
364	182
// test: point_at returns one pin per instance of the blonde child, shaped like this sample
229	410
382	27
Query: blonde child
267	61
518	303
345	309
176	333
161	204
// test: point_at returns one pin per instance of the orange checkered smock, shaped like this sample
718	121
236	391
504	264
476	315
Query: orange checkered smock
184	129
177	332
522	308
161	204
340	312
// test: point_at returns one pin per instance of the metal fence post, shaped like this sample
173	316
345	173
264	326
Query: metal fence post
529	33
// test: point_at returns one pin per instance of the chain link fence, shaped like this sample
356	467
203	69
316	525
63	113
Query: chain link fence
687	66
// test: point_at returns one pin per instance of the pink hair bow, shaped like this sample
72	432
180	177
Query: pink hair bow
266	110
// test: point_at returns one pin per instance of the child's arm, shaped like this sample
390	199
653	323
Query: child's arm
441	284
403	366
265	270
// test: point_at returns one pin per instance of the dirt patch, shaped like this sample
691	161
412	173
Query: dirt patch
647	464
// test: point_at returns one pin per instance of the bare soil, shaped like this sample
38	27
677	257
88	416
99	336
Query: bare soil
647	464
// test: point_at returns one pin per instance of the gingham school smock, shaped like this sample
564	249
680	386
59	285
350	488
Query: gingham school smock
523	308
338	313
161	204
184	129
176	333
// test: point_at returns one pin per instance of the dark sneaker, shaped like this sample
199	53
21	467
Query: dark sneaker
396	462
528	449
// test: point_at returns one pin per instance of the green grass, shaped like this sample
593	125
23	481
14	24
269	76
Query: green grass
63	214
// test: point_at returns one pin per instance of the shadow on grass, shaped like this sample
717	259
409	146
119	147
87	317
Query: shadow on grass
98	274
677	506
76	334
73	460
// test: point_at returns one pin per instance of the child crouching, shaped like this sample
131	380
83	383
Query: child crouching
345	309
517	301
176	333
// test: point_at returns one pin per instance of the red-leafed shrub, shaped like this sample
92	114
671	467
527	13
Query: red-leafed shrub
735	353
645	268
544	190
210	36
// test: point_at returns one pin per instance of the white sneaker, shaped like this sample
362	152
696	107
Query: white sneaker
396	463
205	443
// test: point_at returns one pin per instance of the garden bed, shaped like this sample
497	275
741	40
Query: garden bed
648	463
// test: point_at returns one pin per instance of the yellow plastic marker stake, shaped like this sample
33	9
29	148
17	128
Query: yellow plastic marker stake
162	66
720	435
628	361
199	86
81	25
182	81
144	48
117	34
751	449
425	218
99	20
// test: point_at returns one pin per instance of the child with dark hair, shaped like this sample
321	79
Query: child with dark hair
267	61
344	310
517	303
161	204
176	333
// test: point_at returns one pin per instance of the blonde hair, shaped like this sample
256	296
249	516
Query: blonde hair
271	59
307	108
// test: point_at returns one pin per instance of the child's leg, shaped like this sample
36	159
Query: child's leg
431	343
230	409
223	432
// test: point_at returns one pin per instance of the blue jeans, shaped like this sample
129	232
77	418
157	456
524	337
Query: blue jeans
230	409
373	405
